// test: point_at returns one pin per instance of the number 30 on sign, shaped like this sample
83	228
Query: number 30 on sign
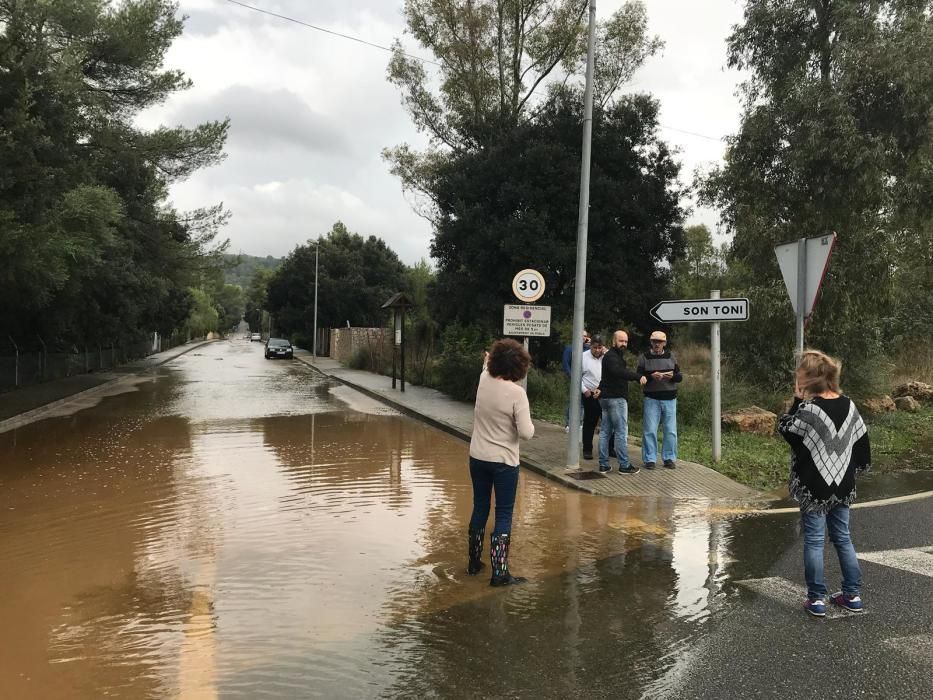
528	285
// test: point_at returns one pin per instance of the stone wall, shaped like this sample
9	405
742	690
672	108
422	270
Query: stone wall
345	342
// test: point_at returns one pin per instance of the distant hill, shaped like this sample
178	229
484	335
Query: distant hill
243	272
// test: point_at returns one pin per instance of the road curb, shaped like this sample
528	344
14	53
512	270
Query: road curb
37	414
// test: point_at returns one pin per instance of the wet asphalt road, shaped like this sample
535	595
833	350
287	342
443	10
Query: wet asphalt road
764	648
234	527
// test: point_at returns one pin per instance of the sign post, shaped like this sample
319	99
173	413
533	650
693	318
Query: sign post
528	286
716	382
803	266
713	310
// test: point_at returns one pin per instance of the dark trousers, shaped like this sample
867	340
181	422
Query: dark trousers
487	476
591	413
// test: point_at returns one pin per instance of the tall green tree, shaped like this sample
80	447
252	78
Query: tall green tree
496	60
356	275
89	248
702	266
835	136
514	205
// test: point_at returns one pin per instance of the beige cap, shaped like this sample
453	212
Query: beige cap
659	335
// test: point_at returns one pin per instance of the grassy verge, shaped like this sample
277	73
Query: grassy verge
899	440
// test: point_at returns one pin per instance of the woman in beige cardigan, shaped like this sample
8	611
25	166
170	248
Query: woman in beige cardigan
501	417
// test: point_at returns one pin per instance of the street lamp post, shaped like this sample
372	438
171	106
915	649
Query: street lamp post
317	250
579	287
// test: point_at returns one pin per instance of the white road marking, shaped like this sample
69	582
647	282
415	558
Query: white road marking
916	561
792	595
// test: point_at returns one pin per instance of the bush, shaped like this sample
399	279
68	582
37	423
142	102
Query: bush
461	361
547	394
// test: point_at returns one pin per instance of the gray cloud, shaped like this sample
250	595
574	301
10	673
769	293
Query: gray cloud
265	119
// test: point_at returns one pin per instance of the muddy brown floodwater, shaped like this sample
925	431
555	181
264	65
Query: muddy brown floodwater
236	527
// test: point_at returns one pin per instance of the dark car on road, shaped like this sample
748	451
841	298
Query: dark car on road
279	347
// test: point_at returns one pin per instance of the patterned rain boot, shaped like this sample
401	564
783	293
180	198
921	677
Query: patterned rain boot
475	544
499	555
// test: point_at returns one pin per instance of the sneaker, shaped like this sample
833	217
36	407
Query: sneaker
817	607
669	463
605	469
650	465
587	455
566	428
630	469
852	603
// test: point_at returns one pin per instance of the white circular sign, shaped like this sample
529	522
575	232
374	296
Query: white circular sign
528	285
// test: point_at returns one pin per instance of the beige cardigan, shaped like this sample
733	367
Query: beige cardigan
500	418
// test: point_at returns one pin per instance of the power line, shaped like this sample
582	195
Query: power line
329	31
390	50
691	133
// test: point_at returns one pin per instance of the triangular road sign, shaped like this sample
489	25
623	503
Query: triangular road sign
818	251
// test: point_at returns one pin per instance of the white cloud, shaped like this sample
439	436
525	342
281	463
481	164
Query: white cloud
311	112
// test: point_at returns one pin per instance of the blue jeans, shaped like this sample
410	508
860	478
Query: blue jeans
614	425
663	411
814	526
486	476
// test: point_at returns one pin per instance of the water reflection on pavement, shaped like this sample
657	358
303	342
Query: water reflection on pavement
233	527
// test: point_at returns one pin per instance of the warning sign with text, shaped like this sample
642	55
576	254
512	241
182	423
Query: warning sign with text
526	320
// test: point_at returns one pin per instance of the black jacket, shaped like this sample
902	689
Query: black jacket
616	376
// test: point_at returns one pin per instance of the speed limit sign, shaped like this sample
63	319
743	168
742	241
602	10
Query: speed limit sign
528	285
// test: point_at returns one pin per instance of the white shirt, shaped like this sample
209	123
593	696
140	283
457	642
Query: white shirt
592	371
500	418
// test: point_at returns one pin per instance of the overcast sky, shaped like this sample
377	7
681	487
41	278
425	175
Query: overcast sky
310	112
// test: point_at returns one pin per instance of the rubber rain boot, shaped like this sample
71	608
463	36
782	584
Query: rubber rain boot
499	556
475	544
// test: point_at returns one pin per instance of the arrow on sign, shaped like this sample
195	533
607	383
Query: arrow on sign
701	310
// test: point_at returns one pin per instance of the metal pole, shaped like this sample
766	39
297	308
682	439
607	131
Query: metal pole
579	292
801	294
317	250
716	383
525	378
401	349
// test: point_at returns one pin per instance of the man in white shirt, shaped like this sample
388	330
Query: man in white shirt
592	374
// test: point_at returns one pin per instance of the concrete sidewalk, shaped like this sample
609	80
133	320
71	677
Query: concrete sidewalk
545	452
27	404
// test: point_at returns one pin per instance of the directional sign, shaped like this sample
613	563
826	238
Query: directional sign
817	254
701	310
526	320
528	285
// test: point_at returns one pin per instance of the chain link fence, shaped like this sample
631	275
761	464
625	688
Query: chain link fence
23	363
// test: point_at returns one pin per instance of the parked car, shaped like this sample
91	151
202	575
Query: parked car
279	347
255	336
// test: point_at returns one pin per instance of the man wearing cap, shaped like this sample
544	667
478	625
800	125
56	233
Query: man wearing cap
660	375
592	375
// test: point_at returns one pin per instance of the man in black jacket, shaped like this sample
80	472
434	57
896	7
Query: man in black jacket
613	400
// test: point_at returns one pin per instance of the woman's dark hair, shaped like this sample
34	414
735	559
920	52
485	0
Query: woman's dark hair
508	359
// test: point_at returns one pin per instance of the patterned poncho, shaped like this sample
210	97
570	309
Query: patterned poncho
829	444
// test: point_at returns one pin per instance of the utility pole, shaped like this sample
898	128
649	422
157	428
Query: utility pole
317	250
579	291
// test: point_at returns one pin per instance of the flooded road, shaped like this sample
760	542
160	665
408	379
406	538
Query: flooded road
236	527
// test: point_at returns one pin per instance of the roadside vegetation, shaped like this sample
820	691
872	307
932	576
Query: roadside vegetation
91	250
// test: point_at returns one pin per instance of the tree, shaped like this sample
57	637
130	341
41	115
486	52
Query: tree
514	205
496	59
701	267
835	136
356	275
89	251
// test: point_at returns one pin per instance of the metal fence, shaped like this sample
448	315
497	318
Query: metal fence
23	363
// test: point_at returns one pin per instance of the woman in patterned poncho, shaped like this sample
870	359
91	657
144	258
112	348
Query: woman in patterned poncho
829	445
